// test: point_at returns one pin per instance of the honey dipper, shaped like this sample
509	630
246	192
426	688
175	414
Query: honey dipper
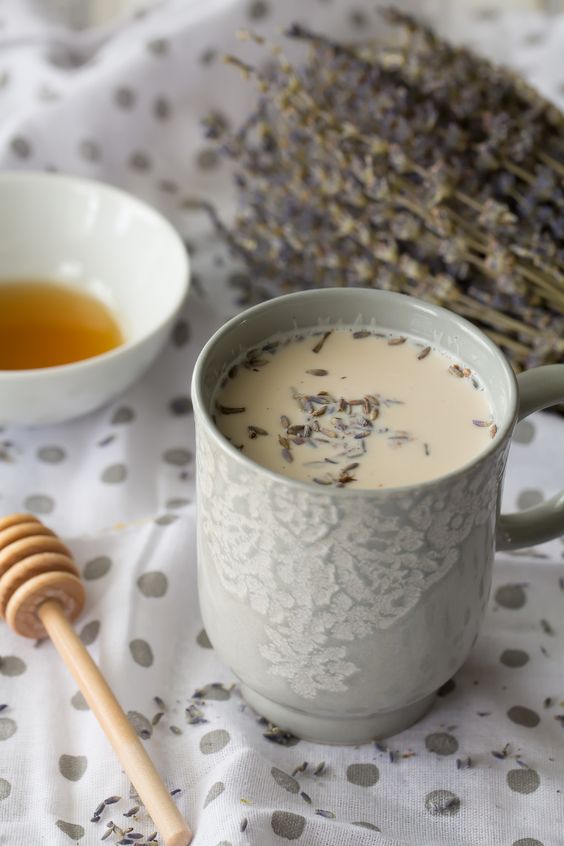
41	594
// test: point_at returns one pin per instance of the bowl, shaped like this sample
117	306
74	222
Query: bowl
99	240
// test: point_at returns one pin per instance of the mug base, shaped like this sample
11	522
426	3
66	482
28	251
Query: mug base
343	731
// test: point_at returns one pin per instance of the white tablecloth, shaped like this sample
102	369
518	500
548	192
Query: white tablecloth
486	765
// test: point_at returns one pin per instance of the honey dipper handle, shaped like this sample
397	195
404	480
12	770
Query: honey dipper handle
167	818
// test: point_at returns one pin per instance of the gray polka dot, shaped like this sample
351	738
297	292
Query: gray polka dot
51	454
11	665
177	456
268	68
523	780
441	743
39	504
47	94
140	161
161	108
446	688
208	56
224	843
90	150
153	584
73	767
177	502
524	432
114	474
5	789
514	658
124	414
534	38
63	57
79	702
487	13
523	716
89	632
181	405
510	596
365	775
73	830
527	841
203	640
529	498
213	691
140	724
358	19
367	825
242	281
8	727
166	519
214	741
97	567
141	652
168	186
20	147
258	10
207	159
442	803
287	825
125	97
214	791
181	333
284	780
158	46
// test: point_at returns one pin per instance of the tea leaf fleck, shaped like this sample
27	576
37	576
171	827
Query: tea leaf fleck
319	345
226	409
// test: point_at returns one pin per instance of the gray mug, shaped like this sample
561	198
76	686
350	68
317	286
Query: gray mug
341	612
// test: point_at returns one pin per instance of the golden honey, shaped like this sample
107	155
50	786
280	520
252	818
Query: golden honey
45	323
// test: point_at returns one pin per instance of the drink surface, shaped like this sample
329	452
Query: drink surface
43	324
355	407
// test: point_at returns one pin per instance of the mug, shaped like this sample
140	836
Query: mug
342	611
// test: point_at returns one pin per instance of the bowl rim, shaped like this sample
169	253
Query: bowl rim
66	180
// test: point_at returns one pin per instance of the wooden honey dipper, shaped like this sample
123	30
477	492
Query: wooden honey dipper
41	594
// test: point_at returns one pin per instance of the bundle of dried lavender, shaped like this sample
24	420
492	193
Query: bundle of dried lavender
413	166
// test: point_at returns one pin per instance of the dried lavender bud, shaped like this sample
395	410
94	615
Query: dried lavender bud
448	187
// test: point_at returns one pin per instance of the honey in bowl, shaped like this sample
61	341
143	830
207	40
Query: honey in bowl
45	324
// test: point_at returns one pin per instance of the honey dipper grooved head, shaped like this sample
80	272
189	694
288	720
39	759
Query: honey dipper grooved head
35	566
14	519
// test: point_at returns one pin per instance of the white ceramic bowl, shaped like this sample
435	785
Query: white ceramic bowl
107	243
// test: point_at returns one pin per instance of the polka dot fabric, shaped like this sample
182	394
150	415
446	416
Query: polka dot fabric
125	104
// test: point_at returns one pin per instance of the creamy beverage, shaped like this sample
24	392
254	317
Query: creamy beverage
354	407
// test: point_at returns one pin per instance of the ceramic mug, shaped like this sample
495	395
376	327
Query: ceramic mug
342	611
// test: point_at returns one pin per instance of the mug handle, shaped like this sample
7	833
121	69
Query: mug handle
538	388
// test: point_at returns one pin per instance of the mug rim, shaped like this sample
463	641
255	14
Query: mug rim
504	430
